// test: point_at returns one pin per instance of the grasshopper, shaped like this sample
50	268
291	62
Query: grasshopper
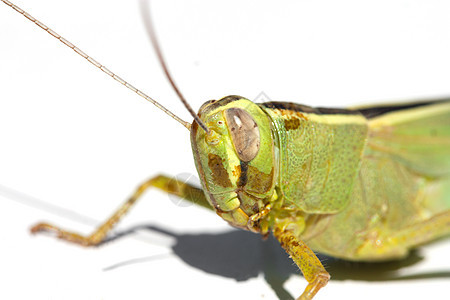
250	177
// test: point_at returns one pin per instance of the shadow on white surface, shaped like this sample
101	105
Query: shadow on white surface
242	255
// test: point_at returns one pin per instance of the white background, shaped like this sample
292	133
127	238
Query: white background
74	143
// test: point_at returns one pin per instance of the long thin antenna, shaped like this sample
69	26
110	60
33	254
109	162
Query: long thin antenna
96	63
151	31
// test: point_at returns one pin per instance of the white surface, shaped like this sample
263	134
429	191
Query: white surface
73	138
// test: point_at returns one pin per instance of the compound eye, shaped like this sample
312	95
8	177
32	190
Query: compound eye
244	133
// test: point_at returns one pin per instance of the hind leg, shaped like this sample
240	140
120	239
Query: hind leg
380	246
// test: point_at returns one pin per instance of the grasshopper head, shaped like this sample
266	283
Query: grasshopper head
236	159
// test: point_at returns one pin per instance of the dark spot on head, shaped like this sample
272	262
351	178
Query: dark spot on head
258	181
219	173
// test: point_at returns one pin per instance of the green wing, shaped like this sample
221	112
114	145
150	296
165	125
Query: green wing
405	170
419	138
403	181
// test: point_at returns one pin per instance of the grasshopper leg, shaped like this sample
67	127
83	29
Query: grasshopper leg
306	260
423	232
397	244
169	185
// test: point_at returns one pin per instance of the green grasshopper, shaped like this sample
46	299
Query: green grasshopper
308	174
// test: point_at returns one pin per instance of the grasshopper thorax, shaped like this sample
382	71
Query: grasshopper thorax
236	159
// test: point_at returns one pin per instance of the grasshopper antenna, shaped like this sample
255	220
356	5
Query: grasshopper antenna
97	64
151	32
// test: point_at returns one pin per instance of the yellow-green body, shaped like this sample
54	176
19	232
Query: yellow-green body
357	184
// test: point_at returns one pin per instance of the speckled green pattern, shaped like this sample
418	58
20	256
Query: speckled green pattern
319	158
403	182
